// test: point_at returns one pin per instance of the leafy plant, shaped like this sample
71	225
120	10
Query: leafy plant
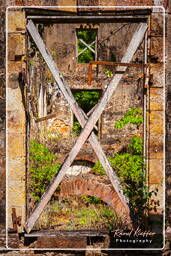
76	129
108	73
42	168
98	168
92	199
86	100
132	116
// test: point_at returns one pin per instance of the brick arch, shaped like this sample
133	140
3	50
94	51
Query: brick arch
92	187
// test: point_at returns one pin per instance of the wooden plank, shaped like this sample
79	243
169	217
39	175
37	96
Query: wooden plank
78	54
91	18
137	38
136	65
67	233
50	116
88	46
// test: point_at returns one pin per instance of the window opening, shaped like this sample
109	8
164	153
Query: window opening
86	45
86	99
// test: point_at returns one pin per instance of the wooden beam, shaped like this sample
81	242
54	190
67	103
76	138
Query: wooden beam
50	116
108	63
87	46
67	233
137	38
88	19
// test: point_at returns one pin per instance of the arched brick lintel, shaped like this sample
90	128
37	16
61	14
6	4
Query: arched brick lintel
91	187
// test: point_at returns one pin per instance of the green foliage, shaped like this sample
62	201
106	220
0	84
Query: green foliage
129	167
108	73
136	145
92	199
86	99
76	129
98	168
42	168
132	116
92	216
88	36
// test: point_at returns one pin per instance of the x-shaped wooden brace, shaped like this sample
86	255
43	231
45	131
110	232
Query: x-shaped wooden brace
81	116
87	46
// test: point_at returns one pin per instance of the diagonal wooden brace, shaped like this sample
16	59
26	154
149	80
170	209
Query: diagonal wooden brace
137	38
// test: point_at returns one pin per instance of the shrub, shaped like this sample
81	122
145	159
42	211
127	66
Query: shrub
42	168
132	116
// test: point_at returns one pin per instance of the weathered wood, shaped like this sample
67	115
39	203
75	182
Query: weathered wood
88	46
50	116
68	233
138	36
135	65
85	48
91	19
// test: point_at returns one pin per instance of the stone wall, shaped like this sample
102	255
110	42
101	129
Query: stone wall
16	107
2	124
168	120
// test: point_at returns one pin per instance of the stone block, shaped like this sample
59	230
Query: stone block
16	47
155	147
14	66
156	122
13	80
16	193
61	242
15	101
16	146
16	122
157	72
16	170
157	48
65	3
156	171
16	21
156	99
157	200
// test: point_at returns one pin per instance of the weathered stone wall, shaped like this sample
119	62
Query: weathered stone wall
128	94
16	126
2	124
155	109
168	120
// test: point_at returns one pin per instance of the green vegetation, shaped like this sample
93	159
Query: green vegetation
132	116
75	213
88	36
129	165
108	73
92	199
86	100
42	168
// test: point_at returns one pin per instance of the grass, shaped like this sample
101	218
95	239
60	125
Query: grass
76	213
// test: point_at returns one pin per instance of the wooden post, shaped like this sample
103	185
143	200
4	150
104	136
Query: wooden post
88	126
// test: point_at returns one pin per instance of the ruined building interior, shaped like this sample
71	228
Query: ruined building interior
103	70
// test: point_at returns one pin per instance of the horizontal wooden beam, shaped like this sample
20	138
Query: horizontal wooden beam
88	19
67	233
107	63
50	116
